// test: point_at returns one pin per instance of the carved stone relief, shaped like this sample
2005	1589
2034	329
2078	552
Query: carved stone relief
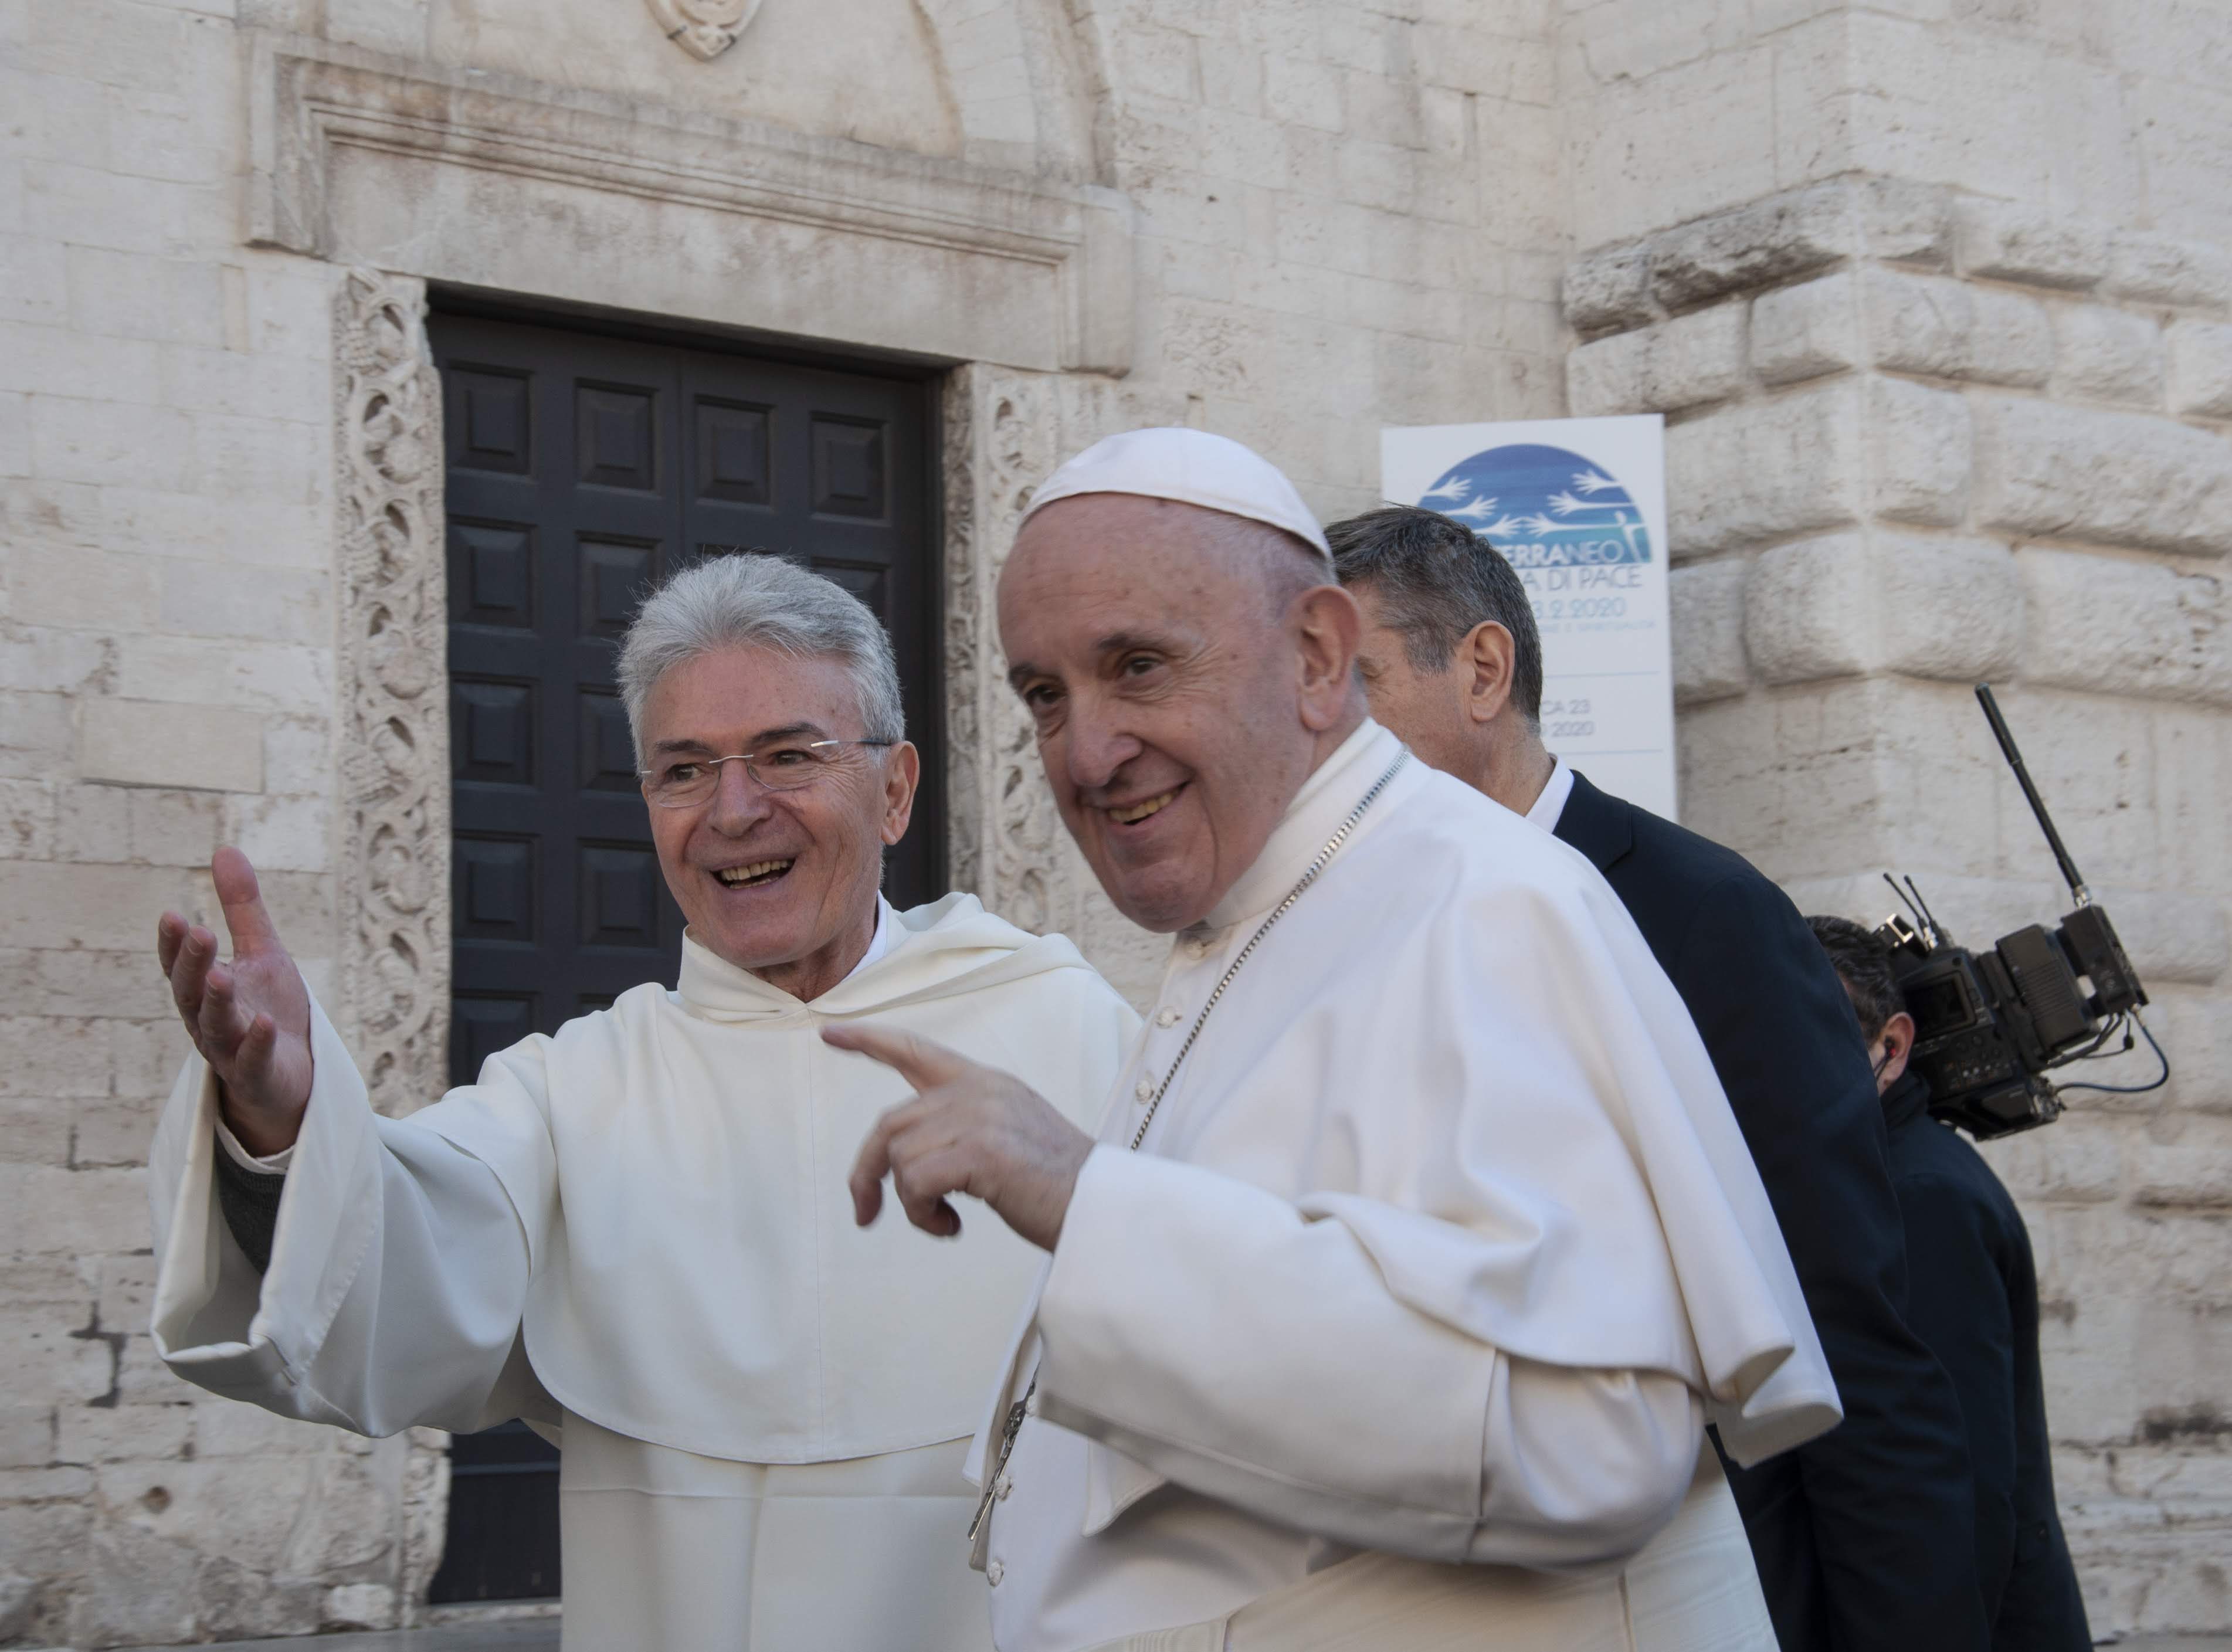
393	733
703	28
520	188
1003	435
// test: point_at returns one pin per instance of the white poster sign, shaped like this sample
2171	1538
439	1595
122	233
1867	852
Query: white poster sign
1578	506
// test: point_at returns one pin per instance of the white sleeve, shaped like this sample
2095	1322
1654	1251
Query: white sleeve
1203	1328
399	1266
270	1164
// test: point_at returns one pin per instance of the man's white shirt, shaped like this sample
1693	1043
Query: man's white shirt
1550	808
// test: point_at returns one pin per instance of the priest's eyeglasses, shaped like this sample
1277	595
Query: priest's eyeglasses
790	767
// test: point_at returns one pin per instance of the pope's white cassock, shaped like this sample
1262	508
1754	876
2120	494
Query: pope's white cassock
638	1229
1442	1247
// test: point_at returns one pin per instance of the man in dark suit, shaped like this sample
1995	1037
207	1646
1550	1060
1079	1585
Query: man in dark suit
1973	1299
1864	1539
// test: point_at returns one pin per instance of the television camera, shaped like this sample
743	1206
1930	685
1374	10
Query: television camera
1988	1026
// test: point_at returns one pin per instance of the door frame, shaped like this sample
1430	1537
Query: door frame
926	373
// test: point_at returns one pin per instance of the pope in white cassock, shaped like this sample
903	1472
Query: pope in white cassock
1418	1246
637	1229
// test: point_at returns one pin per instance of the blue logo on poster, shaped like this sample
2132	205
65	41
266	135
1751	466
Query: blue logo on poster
1543	507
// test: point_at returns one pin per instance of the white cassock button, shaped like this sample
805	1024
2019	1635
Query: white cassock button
994	1573
1144	1090
1002	1485
1197	949
1167	1015
1031	1403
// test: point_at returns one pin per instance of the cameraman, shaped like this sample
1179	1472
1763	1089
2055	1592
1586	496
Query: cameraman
1972	1295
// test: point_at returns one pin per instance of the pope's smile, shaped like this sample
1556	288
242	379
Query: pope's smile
1132	815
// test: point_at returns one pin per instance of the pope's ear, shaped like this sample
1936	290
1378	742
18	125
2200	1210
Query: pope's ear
1329	630
902	774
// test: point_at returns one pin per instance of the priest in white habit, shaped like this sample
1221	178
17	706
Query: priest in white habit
636	1229
1418	1245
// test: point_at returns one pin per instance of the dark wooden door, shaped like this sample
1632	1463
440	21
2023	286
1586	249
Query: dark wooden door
582	468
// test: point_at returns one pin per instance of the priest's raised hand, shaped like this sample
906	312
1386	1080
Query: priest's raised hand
970	1129
249	1019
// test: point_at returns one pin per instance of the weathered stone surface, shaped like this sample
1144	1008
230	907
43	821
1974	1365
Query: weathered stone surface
2161	269
1917	443
1764	470
1956	330
1608	290
236	1603
2191	1024
1848	603
2013	241
2185	1177
1768	241
1690	359
2119	478
27	1435
2104	354
138	742
1950	607
71	1212
2200	368
2077	1162
2110	626
2171	938
1706	620
1806	331
1908	222
361	1606
19	1604
138	1588
90	1434
1810	610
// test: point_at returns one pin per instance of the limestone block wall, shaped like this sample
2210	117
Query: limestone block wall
1919	438
1340	214
167	682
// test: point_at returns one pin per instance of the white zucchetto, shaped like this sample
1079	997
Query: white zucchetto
1192	467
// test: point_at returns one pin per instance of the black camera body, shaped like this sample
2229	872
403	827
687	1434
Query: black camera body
1989	1025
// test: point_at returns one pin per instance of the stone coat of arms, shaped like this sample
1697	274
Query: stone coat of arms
703	28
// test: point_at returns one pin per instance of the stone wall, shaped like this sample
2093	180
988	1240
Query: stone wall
1291	220
1933	295
1958	412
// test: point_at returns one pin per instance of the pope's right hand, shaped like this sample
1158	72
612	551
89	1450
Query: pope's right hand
251	1018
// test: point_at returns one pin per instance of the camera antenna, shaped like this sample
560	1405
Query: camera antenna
2008	749
1929	917
1910	898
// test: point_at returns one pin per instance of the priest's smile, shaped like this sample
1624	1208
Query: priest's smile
755	874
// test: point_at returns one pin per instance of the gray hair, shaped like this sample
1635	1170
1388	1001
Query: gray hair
1436	579
749	599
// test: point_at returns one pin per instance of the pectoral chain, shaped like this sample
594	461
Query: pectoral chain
1012	1426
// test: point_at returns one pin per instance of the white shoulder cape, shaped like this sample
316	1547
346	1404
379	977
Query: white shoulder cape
650	1207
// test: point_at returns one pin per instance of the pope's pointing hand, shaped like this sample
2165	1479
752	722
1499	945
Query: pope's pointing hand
971	1130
